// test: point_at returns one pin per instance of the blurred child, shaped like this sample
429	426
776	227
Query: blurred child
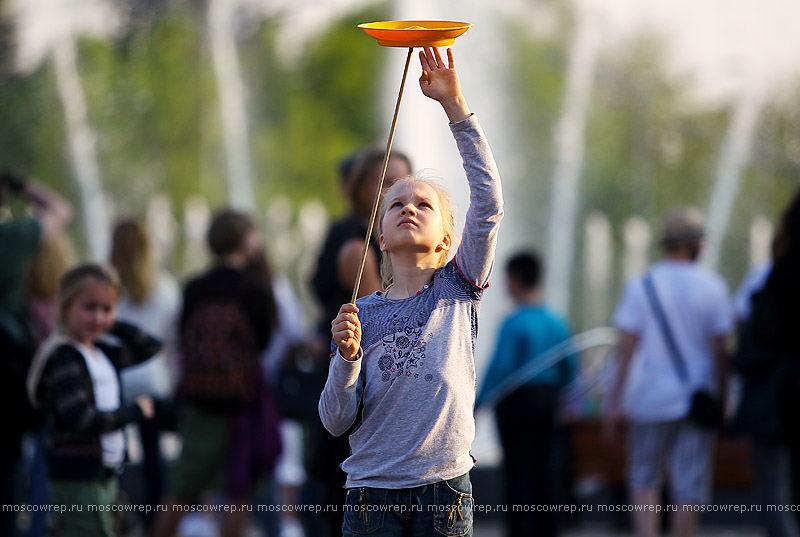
228	427
527	416
412	365
75	379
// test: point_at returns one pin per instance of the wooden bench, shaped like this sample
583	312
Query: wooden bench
593	457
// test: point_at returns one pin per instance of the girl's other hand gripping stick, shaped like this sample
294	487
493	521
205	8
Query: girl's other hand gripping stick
440	82
346	330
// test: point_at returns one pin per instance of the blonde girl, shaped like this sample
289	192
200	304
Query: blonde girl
75	379
406	353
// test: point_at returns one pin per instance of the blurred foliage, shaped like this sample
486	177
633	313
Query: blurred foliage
310	114
153	107
153	104
649	145
538	90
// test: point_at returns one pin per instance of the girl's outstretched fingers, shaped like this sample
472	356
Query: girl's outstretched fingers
423	61
438	57
440	82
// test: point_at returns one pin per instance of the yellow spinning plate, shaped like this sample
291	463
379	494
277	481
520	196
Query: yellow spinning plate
415	33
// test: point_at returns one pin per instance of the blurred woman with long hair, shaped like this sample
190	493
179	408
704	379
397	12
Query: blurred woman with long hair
150	299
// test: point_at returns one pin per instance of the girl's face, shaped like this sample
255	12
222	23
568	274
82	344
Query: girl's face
91	312
413	219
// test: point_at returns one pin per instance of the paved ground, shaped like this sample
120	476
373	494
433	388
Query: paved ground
494	529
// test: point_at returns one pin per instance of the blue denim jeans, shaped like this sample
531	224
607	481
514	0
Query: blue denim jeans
443	508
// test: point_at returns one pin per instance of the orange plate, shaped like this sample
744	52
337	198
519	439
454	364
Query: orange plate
415	33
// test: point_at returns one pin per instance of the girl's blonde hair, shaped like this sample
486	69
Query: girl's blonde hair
49	265
133	257
448	221
76	279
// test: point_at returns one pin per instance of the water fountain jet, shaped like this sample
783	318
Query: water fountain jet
48	28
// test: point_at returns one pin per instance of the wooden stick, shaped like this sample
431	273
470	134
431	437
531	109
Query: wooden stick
383	175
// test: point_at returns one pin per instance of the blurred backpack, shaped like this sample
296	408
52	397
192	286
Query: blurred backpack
299	383
219	353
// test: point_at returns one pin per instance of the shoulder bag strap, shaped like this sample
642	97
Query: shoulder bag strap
666	331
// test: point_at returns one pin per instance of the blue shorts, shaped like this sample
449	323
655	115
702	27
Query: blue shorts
436	510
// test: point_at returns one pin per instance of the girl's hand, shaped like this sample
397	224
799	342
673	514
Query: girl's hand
440	82
346	330
145	403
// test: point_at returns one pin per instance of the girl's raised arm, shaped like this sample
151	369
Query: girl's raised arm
475	255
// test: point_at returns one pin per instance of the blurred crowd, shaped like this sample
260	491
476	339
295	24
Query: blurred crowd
95	355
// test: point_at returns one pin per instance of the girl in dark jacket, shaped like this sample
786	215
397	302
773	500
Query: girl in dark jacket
75	379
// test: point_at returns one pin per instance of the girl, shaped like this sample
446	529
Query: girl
75	378
411	362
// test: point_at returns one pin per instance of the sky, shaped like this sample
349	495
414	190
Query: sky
724	44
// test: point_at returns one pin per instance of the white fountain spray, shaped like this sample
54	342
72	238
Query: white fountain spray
598	261
196	219
569	148
232	100
637	238
733	159
761	231
302	19
48	28
162	225
421	130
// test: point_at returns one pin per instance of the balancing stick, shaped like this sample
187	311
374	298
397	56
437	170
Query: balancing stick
380	182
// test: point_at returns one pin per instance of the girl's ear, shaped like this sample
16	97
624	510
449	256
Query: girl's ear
446	244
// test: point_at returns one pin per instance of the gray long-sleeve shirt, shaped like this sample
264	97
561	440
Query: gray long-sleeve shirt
417	371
